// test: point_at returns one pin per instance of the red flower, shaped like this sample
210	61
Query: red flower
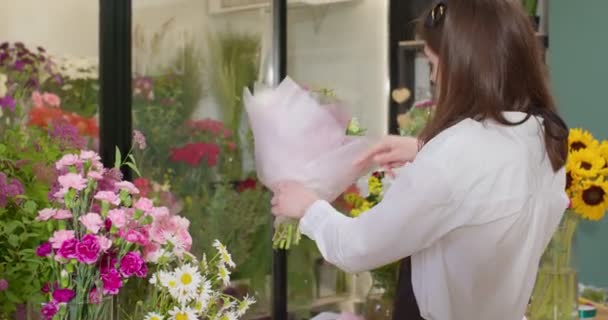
43	116
193	153
211	126
246	185
143	185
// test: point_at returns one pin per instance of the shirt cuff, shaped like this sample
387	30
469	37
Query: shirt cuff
315	217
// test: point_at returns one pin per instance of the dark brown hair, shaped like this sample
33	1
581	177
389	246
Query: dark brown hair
490	61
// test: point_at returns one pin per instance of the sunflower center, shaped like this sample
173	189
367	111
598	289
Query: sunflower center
568	180
593	196
186	278
578	146
585	165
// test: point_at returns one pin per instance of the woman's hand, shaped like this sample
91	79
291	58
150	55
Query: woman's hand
292	199
391	152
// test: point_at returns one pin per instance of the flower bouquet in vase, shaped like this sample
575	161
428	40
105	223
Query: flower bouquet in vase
555	292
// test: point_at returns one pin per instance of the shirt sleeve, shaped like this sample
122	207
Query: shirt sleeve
418	209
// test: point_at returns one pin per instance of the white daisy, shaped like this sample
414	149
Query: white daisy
244	306
223	273
153	316
205	293
184	313
188	279
167	280
224	254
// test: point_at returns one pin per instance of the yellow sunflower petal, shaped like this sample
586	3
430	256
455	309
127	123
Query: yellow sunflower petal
585	163
591	201
580	139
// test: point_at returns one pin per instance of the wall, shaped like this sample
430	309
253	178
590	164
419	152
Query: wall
578	52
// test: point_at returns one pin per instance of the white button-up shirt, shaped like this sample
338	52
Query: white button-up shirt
475	211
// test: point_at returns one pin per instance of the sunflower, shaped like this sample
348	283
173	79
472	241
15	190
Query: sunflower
603	151
585	163
579	139
591	201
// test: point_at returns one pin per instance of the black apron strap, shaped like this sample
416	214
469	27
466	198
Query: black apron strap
406	307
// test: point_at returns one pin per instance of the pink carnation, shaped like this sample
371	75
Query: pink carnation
118	217
45	214
68	249
108	196
126	185
60	236
92	221
89	155
144	204
51	99
111	281
104	243
88	250
133	264
95	175
70	181
62	214
67	161
135	236
37	100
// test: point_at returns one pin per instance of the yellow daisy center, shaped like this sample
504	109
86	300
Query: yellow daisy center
186	278
155	318
172	283
181	316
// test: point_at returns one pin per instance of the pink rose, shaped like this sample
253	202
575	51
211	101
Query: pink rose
45	214
68	249
108	196
37	99
91	221
144	204
67	161
104	243
88	250
133	264
128	186
111	281
63	295
61	236
51	100
62	214
118	217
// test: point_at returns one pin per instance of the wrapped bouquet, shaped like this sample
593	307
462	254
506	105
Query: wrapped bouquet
300	137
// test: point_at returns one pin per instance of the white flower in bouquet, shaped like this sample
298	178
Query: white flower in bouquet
153	316
183	313
188	279
225	257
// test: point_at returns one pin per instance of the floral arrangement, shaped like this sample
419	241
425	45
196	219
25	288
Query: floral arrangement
587	187
413	121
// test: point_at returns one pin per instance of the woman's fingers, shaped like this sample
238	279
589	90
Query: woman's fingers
365	159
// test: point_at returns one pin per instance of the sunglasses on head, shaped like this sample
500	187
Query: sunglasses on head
437	14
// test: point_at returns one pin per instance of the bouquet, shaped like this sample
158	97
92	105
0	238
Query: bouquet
296	137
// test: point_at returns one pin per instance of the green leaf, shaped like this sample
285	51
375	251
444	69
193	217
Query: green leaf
30	207
13	240
11	226
117	159
133	167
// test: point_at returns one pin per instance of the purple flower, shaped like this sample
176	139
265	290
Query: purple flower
49	310
67	134
63	295
32	83
68	249
44	249
111	281
110	178
133	264
46	288
9	189
87	251
3	285
139	139
7	102
19	65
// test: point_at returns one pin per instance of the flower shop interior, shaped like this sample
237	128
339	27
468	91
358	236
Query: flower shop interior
147	96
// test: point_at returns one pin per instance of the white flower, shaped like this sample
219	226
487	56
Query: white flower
3	88
227	316
183	313
223	273
188	278
167	279
224	254
153	316
244	306
205	294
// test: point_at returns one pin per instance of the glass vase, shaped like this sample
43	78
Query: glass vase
555	294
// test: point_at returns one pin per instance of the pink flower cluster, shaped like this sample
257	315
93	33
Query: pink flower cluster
104	225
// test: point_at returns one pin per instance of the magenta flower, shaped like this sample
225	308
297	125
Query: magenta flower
3	285
49	310
91	221
95	296
63	295
7	102
133	264
68	249
44	249
118	218
60	236
46	288
108	196
139	139
111	281
87	251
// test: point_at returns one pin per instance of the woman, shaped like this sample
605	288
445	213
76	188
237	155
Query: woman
483	193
